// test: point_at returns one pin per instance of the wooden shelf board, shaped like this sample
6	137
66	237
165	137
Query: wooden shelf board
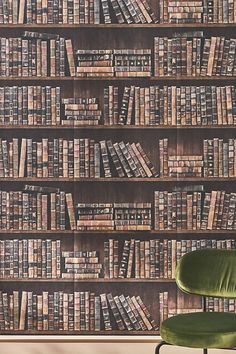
59	333
45	338
160	233
119	179
100	280
115	127
125	79
120	26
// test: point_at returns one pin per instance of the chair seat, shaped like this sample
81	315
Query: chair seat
201	330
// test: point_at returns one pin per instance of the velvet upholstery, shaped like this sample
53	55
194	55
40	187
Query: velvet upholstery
201	330
207	273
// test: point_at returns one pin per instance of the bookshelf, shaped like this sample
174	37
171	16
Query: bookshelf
186	140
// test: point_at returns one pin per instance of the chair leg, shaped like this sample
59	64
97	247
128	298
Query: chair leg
205	351
158	347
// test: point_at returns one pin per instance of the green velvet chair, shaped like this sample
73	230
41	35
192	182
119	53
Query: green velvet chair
208	272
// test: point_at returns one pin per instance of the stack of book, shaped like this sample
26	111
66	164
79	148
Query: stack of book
34	54
77	311
183	210
95	216
111	216
170	105
34	208
81	265
132	62
30	258
191	54
188	11
81	111
76	158
30	105
133	216
185	166
181	11
94	62
152	259
219	157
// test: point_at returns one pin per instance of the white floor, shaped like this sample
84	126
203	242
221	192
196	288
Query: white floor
13	347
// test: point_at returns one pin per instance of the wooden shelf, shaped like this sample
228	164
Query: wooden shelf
115	127
100	280
137	233
72	240
125	79
119	26
120	179
113	332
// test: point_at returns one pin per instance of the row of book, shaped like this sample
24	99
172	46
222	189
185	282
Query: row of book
40	208
169	309
188	11
187	54
218	160
81	265
133	258
32	210
219	157
43	105
30	258
48	208
182	210
44	259
121	11
133	105
35	54
110	62
110	216
86	311
75	158
30	105
73	311
152	259
75	12
190	54
170	105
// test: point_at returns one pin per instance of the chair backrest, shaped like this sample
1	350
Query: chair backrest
208	272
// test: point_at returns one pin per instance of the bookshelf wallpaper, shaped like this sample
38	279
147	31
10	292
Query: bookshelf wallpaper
117	157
